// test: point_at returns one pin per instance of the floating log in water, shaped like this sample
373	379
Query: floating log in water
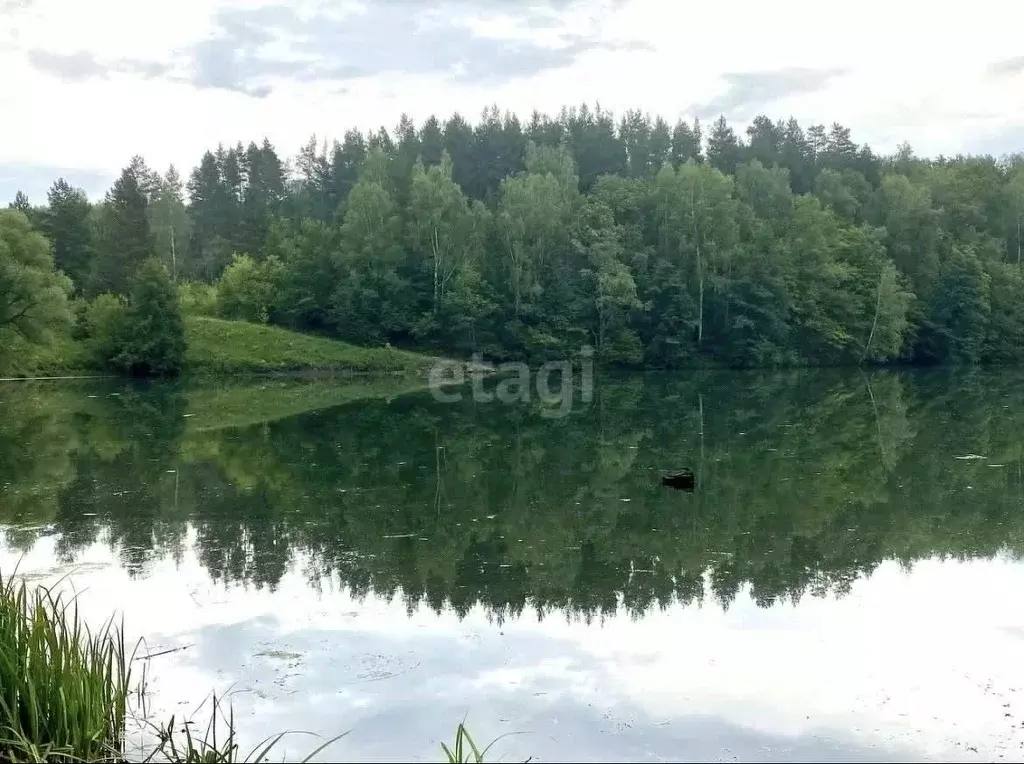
681	480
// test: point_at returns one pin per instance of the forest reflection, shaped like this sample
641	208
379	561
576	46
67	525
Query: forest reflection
806	481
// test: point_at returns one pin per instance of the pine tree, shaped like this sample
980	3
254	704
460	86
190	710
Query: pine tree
724	151
67	226
124	236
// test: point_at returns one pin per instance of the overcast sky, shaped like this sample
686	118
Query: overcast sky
85	85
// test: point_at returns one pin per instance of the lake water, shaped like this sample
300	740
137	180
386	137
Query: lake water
845	583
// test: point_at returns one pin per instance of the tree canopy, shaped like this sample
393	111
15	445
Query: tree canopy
660	245
33	295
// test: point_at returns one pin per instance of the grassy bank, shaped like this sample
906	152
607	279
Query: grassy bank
66	695
219	347
19	358
216	346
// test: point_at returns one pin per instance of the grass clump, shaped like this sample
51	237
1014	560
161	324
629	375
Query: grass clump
465	750
216	745
63	689
65	692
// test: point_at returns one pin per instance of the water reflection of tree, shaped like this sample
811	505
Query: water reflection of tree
807	482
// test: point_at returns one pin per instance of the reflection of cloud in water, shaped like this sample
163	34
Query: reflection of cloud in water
890	671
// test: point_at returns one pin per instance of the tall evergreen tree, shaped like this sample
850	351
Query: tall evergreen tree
123	238
724	151
685	143
67	225
209	203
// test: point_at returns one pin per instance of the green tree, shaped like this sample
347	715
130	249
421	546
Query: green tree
613	290
369	302
442	229
431	141
249	290
889	323
912	230
958	313
697	232
67	225
100	325
724	150
533	216
150	340
20	203
1005	340
209	208
169	221
310	253
123	232
346	159
845	191
1015	206
33	296
764	140
686	142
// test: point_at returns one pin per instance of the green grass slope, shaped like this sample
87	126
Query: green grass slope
217	346
231	347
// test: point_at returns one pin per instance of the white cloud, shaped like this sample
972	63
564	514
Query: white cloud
910	71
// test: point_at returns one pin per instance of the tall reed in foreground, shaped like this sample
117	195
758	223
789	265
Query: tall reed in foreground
465	750
63	689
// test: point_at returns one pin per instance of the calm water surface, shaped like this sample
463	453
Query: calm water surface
843	584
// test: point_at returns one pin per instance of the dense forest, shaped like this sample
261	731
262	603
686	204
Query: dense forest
660	245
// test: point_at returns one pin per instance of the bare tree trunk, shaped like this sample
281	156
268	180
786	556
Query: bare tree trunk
878	424
174	258
436	267
439	455
700	298
513	257
874	322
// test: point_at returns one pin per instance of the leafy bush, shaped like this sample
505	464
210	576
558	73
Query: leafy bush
249	289
98	326
624	347
197	299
